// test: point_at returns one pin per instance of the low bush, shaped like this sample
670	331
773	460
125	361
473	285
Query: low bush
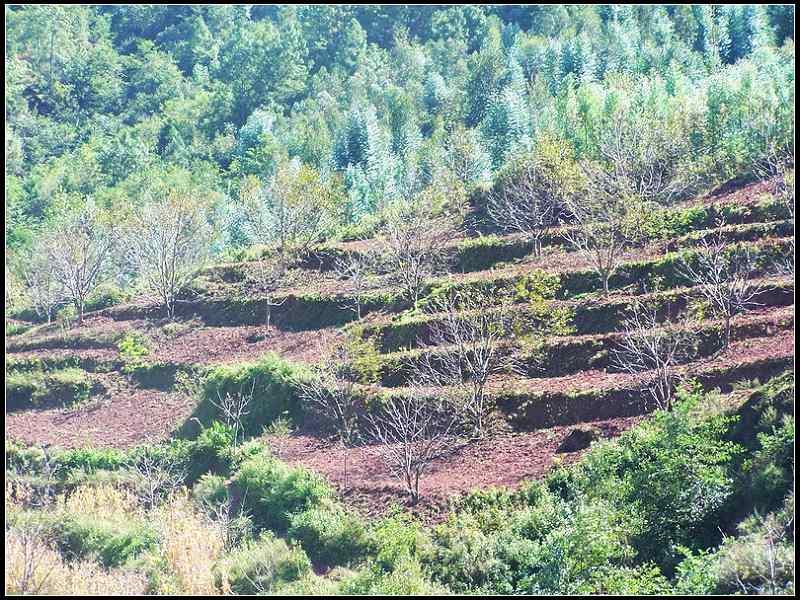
133	347
271	381
259	566
408	579
209	452
273	491
38	388
112	543
90	459
104	296
52	576
330	535
396	538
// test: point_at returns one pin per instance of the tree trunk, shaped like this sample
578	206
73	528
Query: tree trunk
345	467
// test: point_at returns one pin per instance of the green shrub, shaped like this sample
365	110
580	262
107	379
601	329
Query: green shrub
365	358
21	458
104	296
210	490
37	388
330	535
396	538
768	474
309	585
133	347
408	579
90	460
16	328
112	543
210	451
259	566
271	379
273	491
697	573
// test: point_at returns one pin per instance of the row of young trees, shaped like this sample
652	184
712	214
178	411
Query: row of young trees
163	243
447	403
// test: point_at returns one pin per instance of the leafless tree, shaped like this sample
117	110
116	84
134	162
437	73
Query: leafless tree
332	393
530	204
234	409
269	277
411	431
651	352
603	224
724	276
765	556
168	243
647	160
42	284
469	339
293	212
359	270
79	250
33	559
414	244
226	514
776	164
158	474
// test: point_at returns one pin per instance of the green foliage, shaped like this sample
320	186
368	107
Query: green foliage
407	579
210	490
38	388
273	491
330	535
365	357
271	381
210	451
260	565
90	460
682	504
105	296
111	542
133	347
396	539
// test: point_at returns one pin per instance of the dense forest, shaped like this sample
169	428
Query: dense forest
118	105
399	299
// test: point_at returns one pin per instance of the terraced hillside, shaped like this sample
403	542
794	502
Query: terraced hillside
126	374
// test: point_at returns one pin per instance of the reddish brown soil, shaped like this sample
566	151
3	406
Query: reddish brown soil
82	354
198	345
504	460
126	415
742	352
123	417
734	193
207	345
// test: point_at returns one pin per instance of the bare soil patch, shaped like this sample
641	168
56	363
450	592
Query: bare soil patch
504	460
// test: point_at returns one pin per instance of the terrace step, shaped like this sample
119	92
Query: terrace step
570	354
592	316
475	253
537	403
302	311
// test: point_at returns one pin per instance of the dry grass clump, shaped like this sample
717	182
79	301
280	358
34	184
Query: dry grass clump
191	544
102	501
33	567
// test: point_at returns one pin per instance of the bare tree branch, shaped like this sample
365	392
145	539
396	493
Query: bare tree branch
651	352
411	431
725	278
530	205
